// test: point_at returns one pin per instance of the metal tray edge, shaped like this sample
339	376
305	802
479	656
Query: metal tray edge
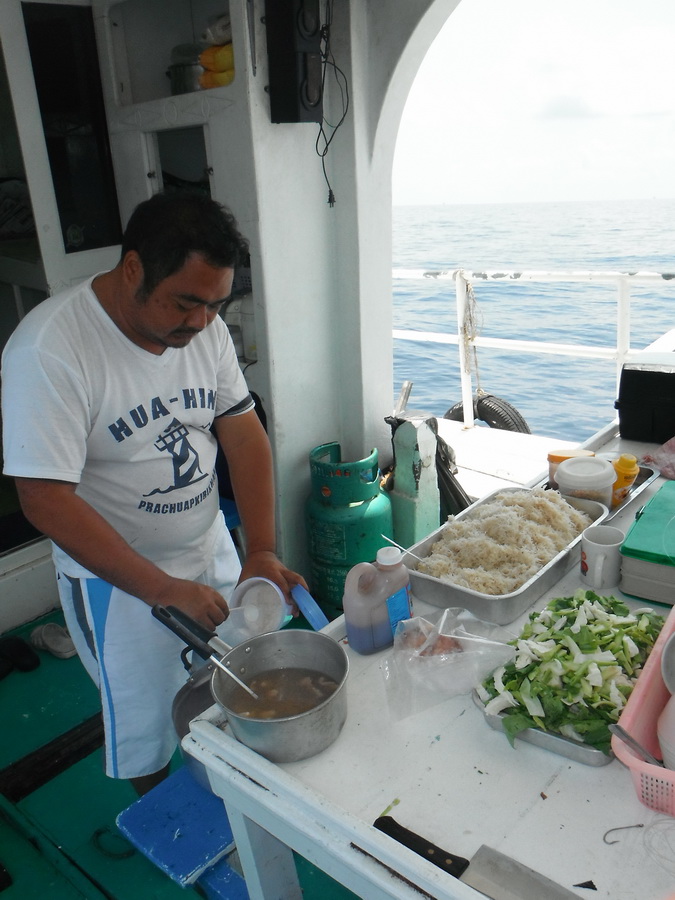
555	743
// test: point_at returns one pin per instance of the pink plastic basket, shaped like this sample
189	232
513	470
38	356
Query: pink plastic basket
655	786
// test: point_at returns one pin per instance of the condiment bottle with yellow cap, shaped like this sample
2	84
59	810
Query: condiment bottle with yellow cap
627	469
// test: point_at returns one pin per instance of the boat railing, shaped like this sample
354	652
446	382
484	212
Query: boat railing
467	337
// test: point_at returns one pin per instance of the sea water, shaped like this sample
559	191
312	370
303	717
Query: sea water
559	396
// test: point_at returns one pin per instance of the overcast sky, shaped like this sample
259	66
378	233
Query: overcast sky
521	100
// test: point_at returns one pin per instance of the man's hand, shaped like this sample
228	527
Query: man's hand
199	601
265	564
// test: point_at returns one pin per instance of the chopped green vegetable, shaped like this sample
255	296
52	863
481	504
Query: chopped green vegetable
576	664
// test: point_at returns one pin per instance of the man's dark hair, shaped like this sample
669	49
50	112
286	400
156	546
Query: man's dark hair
168	227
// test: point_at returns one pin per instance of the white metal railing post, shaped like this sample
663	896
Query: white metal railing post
467	341
464	339
622	326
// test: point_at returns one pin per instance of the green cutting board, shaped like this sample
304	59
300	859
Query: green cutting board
651	537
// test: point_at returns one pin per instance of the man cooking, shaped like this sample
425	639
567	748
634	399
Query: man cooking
115	394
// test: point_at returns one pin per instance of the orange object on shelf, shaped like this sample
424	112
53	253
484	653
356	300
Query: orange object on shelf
218	59
216	79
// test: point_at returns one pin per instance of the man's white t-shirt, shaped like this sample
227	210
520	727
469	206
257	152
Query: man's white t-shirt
82	403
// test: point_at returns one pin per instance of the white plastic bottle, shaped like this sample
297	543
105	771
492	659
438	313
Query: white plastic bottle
376	598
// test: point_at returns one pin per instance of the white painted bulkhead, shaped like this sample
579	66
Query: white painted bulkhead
321	276
324	315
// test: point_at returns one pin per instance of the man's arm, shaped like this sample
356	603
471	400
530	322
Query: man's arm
55	509
249	458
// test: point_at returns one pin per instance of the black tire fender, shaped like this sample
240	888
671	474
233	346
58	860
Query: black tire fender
494	411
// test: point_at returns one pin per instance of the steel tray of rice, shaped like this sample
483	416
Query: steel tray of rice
498	556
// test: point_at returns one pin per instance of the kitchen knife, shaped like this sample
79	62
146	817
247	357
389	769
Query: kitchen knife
489	871
502	878
455	865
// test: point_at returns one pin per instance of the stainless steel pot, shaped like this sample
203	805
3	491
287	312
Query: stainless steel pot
191	701
184	77
294	737
185	68
279	740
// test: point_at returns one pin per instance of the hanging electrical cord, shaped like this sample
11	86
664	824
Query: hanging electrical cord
327	131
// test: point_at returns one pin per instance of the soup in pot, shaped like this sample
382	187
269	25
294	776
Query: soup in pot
282	693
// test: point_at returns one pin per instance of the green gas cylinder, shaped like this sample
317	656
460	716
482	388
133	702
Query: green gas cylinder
346	515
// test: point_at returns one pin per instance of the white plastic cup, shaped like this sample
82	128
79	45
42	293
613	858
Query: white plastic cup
665	730
601	556
257	606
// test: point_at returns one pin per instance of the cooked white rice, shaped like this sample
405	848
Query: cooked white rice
500	545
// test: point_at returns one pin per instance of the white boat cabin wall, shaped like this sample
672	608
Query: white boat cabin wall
319	317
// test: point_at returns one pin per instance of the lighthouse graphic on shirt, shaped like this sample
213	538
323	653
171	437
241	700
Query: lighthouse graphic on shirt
185	459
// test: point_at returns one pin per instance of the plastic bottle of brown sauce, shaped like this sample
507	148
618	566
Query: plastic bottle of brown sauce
376	598
627	470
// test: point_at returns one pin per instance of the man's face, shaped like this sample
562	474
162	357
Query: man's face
178	308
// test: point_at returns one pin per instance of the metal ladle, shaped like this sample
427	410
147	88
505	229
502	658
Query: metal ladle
221	665
188	630
636	745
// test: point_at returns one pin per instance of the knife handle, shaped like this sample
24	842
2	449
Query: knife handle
454	865
182	625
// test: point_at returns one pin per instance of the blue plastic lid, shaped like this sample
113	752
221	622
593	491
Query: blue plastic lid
309	607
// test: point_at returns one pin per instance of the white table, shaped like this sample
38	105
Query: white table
445	774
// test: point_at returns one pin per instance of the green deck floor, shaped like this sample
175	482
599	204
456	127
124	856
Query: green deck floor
58	839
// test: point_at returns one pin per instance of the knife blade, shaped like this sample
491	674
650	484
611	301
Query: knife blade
492	873
503	878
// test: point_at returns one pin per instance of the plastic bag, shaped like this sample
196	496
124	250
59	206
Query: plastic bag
439	657
663	458
218	30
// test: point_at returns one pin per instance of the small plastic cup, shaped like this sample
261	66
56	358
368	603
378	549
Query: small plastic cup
257	606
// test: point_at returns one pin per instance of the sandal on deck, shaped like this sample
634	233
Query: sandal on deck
55	639
19	653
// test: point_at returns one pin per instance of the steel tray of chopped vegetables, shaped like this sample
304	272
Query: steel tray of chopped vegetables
576	664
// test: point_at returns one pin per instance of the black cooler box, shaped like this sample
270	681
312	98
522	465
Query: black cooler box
648	551
646	401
